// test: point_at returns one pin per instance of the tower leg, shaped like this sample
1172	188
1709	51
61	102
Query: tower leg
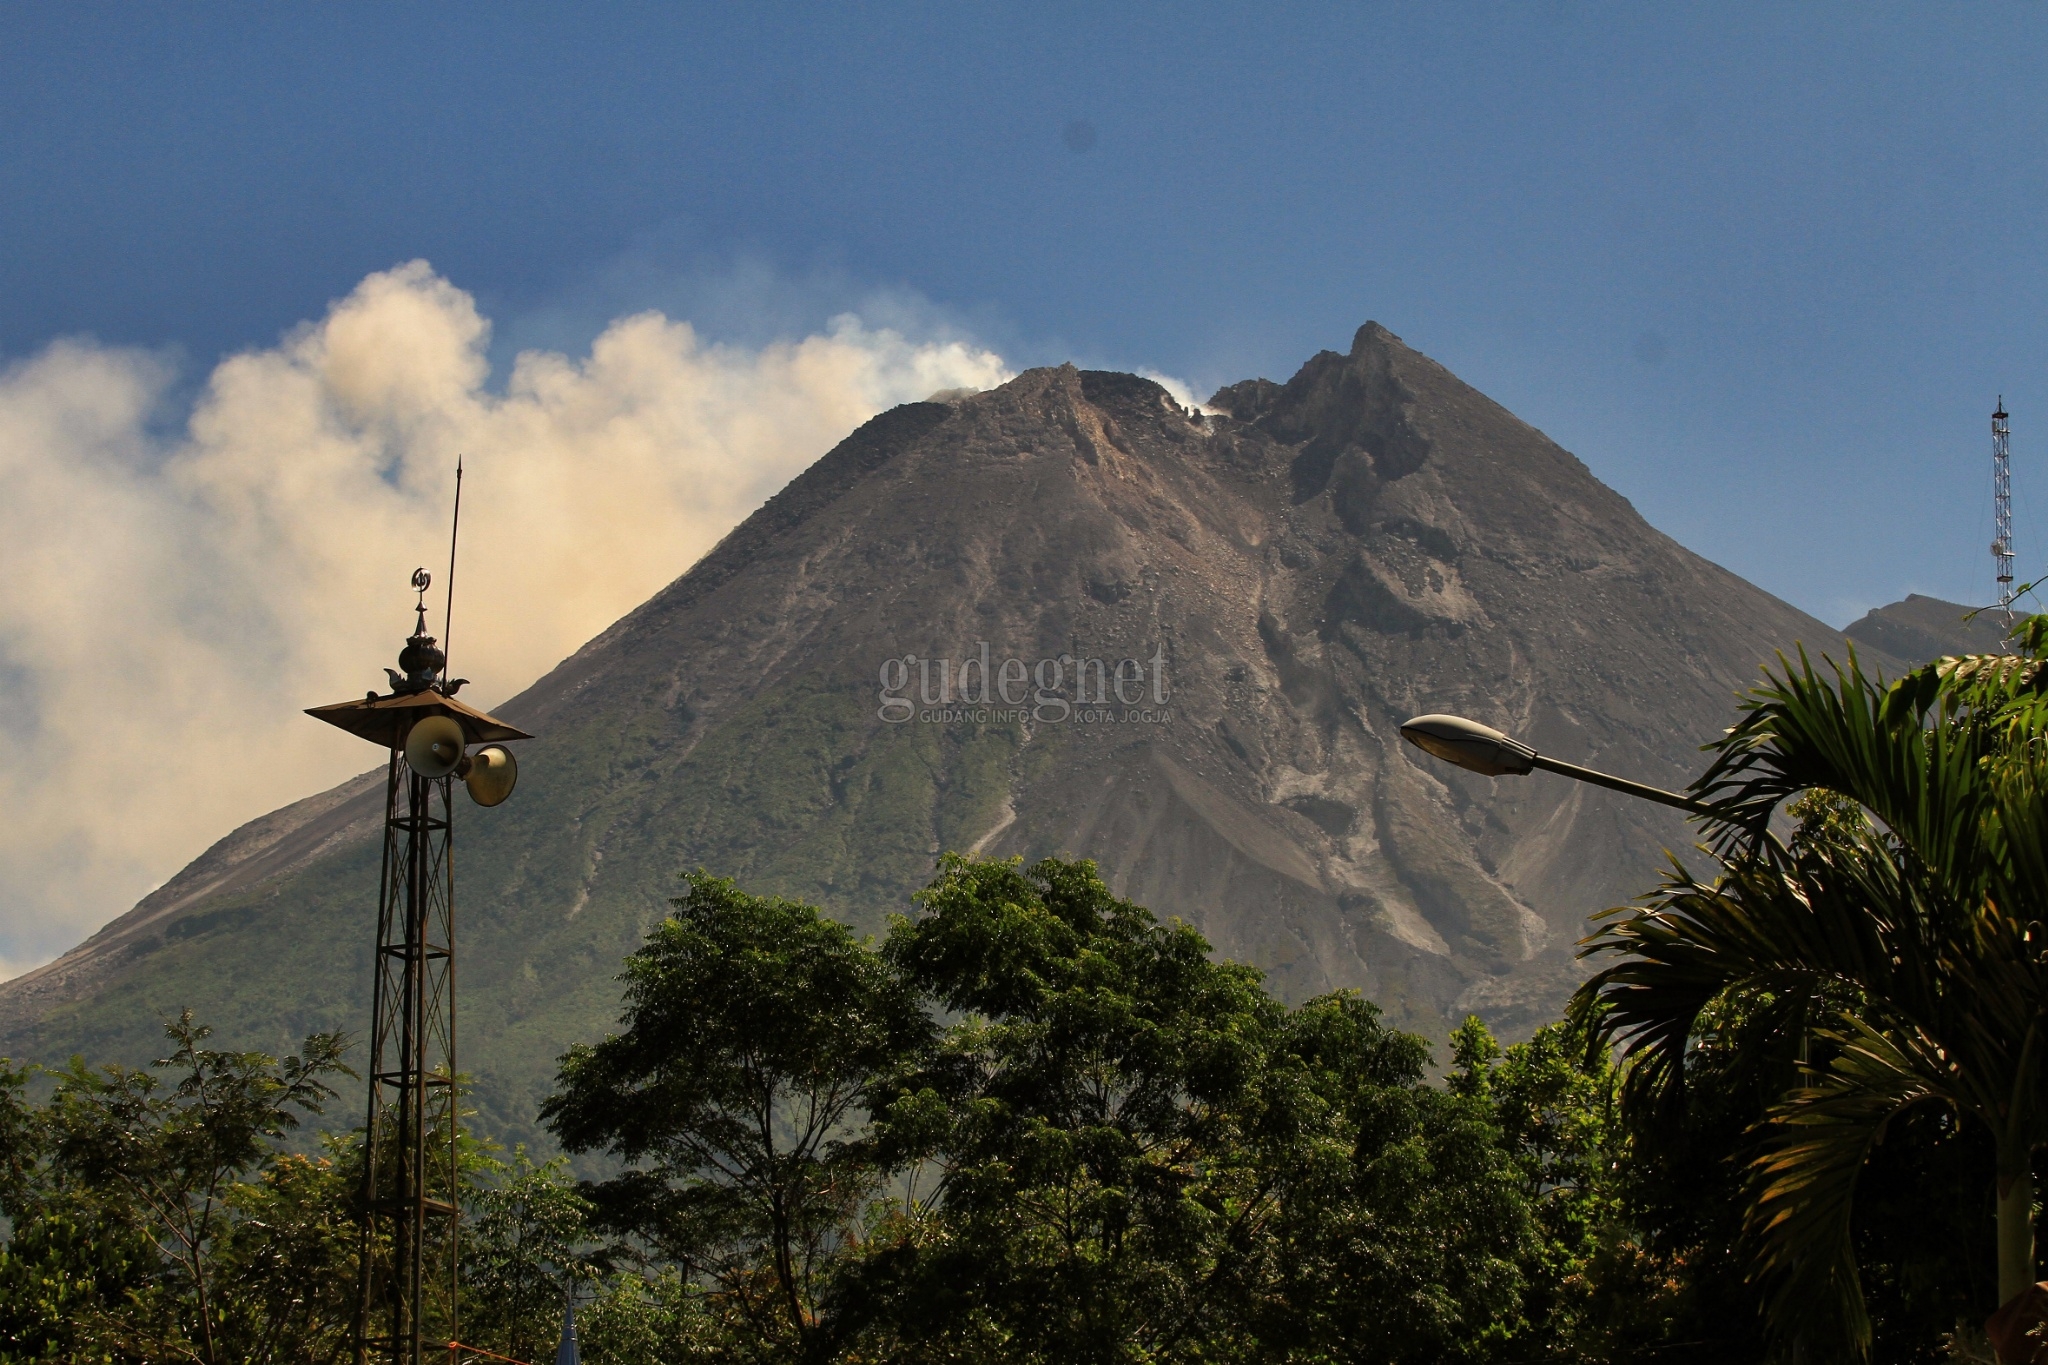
406	1290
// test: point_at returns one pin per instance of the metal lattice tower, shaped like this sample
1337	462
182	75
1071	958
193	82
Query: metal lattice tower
410	1180
2001	504
411	1192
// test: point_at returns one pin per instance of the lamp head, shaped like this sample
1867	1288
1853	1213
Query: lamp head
1474	747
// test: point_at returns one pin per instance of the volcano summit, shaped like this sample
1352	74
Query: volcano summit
1063	616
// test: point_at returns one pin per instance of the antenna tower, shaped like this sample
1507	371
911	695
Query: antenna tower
411	1194
2001	506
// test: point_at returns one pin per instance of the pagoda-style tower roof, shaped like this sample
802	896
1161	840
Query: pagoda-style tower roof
385	720
423	689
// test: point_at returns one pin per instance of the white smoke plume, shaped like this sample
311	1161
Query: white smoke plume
172	602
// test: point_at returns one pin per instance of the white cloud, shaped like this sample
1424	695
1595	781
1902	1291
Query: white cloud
171	604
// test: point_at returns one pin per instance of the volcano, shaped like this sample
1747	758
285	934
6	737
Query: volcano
1065	616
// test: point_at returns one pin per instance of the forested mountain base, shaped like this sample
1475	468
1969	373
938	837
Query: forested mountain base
1032	1124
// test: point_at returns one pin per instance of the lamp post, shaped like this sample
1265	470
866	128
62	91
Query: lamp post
1482	749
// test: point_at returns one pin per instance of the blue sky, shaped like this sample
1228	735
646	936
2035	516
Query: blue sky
1764	268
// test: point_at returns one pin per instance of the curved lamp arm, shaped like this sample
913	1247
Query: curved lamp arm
1482	749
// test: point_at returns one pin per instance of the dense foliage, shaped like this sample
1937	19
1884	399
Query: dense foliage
1034	1124
1113	1147
137	1230
1887	961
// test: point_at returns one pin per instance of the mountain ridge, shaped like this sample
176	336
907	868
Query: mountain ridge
1917	627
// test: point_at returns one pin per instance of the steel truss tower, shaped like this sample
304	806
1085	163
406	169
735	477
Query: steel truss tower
410	1196
411	1193
2001	505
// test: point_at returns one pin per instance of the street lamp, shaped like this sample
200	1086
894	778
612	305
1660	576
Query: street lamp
1482	749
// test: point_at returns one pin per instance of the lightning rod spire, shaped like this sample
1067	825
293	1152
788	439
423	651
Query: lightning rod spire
454	530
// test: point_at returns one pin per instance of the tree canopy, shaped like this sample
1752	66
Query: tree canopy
1034	1123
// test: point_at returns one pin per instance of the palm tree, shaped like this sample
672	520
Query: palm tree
1904	936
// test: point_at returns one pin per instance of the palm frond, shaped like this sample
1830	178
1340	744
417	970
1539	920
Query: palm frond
1803	1185
1903	753
1780	933
1910	912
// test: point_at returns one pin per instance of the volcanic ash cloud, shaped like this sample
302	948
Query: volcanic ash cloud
173	602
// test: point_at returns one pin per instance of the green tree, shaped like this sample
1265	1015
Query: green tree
1894	941
1082	1127
526	1246
284	1267
659	1319
71	1256
1407	1234
1551	1104
134	1233
23	1137
1126	1150
752	1027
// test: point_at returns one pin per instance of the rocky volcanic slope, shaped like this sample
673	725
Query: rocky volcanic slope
1926	628
1307	566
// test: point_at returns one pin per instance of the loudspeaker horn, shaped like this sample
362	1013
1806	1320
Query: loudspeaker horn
433	746
493	772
